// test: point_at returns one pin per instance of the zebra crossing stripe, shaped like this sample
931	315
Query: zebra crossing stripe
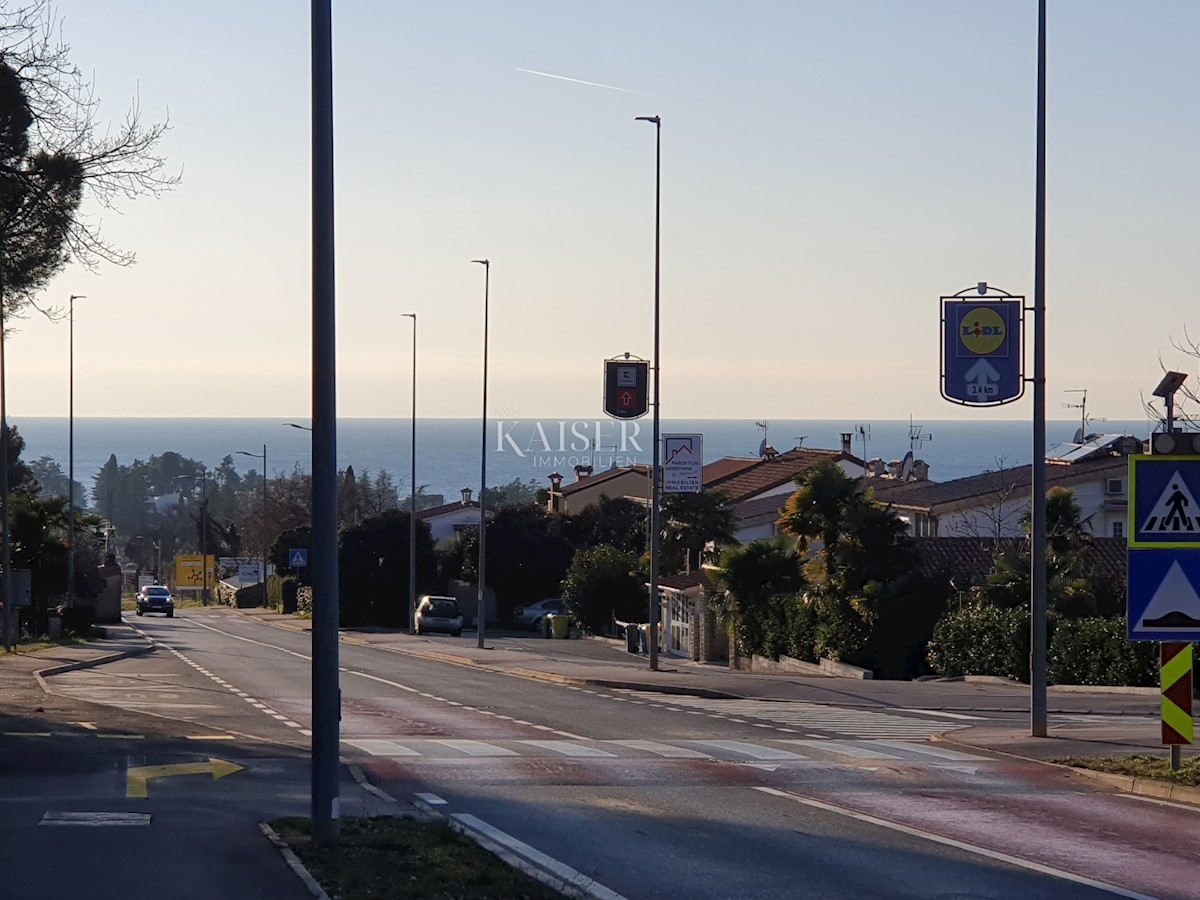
382	748
936	752
754	751
475	748
568	748
842	748
664	750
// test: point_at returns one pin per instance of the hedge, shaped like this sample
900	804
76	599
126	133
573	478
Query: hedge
981	640
1096	651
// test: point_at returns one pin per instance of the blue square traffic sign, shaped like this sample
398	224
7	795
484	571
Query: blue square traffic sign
297	558
1163	599
1163	507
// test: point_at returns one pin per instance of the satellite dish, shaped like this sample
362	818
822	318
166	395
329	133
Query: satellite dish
762	448
1078	436
906	467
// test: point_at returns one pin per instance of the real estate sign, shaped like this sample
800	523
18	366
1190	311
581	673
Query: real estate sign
683	463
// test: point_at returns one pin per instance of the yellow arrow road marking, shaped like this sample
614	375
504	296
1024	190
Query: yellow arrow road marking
137	777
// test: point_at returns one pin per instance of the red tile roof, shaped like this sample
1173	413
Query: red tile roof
766	474
725	468
925	495
972	558
434	511
607	475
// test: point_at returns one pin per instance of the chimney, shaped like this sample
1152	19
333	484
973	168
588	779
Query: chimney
846	438
582	472
466	496
555	482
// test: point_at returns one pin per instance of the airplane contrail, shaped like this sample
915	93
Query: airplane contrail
580	81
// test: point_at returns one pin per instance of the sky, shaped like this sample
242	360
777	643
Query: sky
828	171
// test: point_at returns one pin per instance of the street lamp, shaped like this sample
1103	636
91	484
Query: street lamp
652	637
481	610
294	425
71	452
5	559
412	490
263	574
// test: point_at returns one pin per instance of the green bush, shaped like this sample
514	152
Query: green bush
1097	651
981	640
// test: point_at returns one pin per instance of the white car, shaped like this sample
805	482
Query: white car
531	616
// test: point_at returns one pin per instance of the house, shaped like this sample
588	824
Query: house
447	520
758	488
993	504
587	489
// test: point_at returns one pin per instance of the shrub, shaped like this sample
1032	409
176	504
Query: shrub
1096	651
982	640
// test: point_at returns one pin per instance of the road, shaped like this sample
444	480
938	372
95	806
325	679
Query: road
653	795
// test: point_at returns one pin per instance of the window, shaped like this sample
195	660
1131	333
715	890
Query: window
1114	486
1118	529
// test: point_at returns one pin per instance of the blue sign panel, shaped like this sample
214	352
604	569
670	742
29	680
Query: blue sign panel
297	558
982	362
1163	508
1164	602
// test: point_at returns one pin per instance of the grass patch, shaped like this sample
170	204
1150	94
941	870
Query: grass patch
1142	765
32	645
382	858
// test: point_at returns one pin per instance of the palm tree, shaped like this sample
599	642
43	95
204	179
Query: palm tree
690	523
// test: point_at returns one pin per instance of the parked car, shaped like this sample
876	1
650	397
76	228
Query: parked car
439	614
155	598
531	616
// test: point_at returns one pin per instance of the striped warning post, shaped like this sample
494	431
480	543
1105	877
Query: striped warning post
1176	668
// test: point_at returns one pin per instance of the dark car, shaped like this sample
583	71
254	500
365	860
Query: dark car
155	598
439	614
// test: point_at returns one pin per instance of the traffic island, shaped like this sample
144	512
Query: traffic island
387	856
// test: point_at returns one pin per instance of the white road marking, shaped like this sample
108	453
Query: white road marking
960	845
377	747
754	751
569	748
475	748
938	712
95	819
842	748
664	750
926	750
523	851
431	799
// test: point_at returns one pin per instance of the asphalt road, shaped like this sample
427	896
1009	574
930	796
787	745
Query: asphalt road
651	795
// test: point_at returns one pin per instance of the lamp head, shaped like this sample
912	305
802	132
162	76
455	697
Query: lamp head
657	120
412	316
483	262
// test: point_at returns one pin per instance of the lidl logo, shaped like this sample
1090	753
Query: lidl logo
982	330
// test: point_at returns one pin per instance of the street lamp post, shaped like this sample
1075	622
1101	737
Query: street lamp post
652	637
5	559
263	574
71	450
412	490
204	533
480	603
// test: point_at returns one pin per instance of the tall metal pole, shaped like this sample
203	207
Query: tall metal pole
203	533
412	491
263	573
326	699
652	637
71	451
1037	550
481	606
5	558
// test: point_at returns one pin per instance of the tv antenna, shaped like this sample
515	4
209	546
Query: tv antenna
800	441
1084	419
763	446
864	435
916	439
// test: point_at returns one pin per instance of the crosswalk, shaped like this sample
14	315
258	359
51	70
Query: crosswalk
774	751
794	715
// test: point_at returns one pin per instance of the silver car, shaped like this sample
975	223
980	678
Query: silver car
531	616
439	614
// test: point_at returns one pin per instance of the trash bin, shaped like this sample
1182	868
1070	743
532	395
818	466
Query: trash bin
544	624
560	625
631	638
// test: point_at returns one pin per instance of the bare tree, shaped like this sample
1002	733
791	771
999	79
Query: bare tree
998	513
116	162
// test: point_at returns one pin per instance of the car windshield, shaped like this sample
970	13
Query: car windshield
157	592
446	609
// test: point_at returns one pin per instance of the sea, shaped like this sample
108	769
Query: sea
449	451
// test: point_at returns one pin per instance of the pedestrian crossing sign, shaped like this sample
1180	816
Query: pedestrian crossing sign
1163	507
297	558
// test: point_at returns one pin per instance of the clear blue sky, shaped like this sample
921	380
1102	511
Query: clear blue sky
829	169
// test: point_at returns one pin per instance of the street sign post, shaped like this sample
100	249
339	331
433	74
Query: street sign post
982	358
1163	595
683	463
626	387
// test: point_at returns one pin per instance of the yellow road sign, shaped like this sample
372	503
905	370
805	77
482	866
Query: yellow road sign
136	778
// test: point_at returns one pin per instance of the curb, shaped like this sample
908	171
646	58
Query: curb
41	674
1129	784
293	862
